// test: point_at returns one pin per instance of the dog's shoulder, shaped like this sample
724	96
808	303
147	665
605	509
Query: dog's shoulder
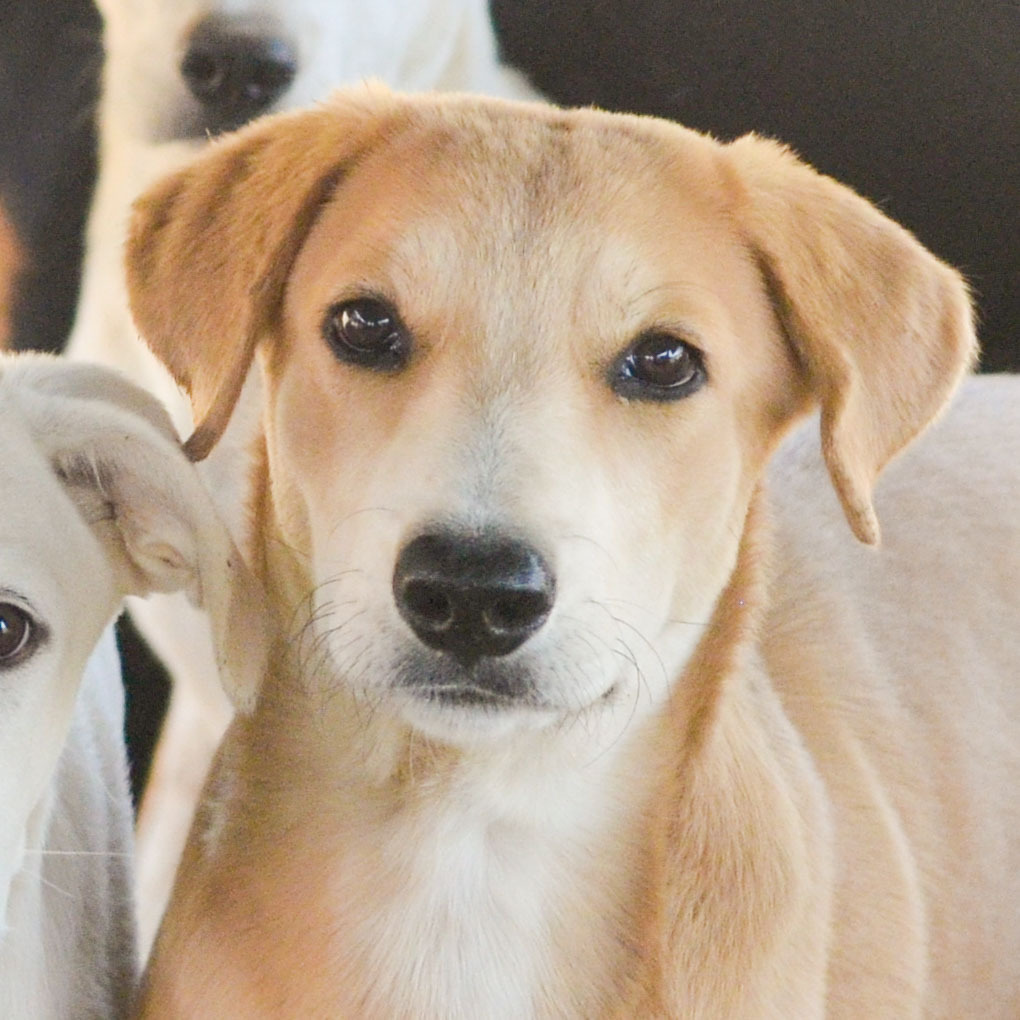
962	477
906	628
939	587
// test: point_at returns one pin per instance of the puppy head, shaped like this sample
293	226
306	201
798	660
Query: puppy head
522	371
125	513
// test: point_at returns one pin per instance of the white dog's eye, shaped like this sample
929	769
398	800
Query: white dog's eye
367	332
658	366
17	634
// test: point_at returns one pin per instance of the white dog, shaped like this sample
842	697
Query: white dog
97	502
177	71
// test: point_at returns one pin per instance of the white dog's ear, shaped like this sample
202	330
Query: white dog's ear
58	377
882	329
145	502
211	246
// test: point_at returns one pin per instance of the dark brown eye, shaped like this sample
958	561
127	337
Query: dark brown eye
659	366
17	631
367	332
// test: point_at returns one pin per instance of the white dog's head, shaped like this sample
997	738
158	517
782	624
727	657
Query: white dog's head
96	502
522	370
188	69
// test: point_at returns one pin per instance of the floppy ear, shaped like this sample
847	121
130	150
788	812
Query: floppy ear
211	246
146	504
56	376
882	329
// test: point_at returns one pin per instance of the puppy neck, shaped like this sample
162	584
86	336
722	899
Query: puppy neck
627	869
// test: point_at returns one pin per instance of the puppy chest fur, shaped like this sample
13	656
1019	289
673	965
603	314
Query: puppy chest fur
434	883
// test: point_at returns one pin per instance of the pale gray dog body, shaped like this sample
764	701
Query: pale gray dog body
97	501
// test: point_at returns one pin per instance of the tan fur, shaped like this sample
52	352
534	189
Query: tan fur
706	814
10	263
149	122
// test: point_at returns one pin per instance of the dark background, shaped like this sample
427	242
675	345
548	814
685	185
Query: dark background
50	53
913	102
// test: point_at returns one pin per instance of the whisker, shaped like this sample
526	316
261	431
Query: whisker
644	609
51	885
629	653
355	513
80	853
284	544
648	644
578	537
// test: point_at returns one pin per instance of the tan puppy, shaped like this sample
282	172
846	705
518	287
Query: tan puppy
175	72
540	741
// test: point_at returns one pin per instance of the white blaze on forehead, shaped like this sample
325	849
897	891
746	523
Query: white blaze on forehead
517	246
520	278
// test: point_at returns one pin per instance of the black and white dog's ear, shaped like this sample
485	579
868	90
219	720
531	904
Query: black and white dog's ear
118	458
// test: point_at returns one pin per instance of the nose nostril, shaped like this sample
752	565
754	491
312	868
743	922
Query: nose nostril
271	76
204	73
236	67
429	604
515	611
472	595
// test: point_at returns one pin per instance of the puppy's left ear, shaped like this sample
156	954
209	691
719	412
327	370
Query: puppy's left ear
147	506
882	328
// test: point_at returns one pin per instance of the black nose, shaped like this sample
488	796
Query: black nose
236	67
472	595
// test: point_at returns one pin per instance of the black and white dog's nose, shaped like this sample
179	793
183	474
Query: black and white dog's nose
472	595
236	67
